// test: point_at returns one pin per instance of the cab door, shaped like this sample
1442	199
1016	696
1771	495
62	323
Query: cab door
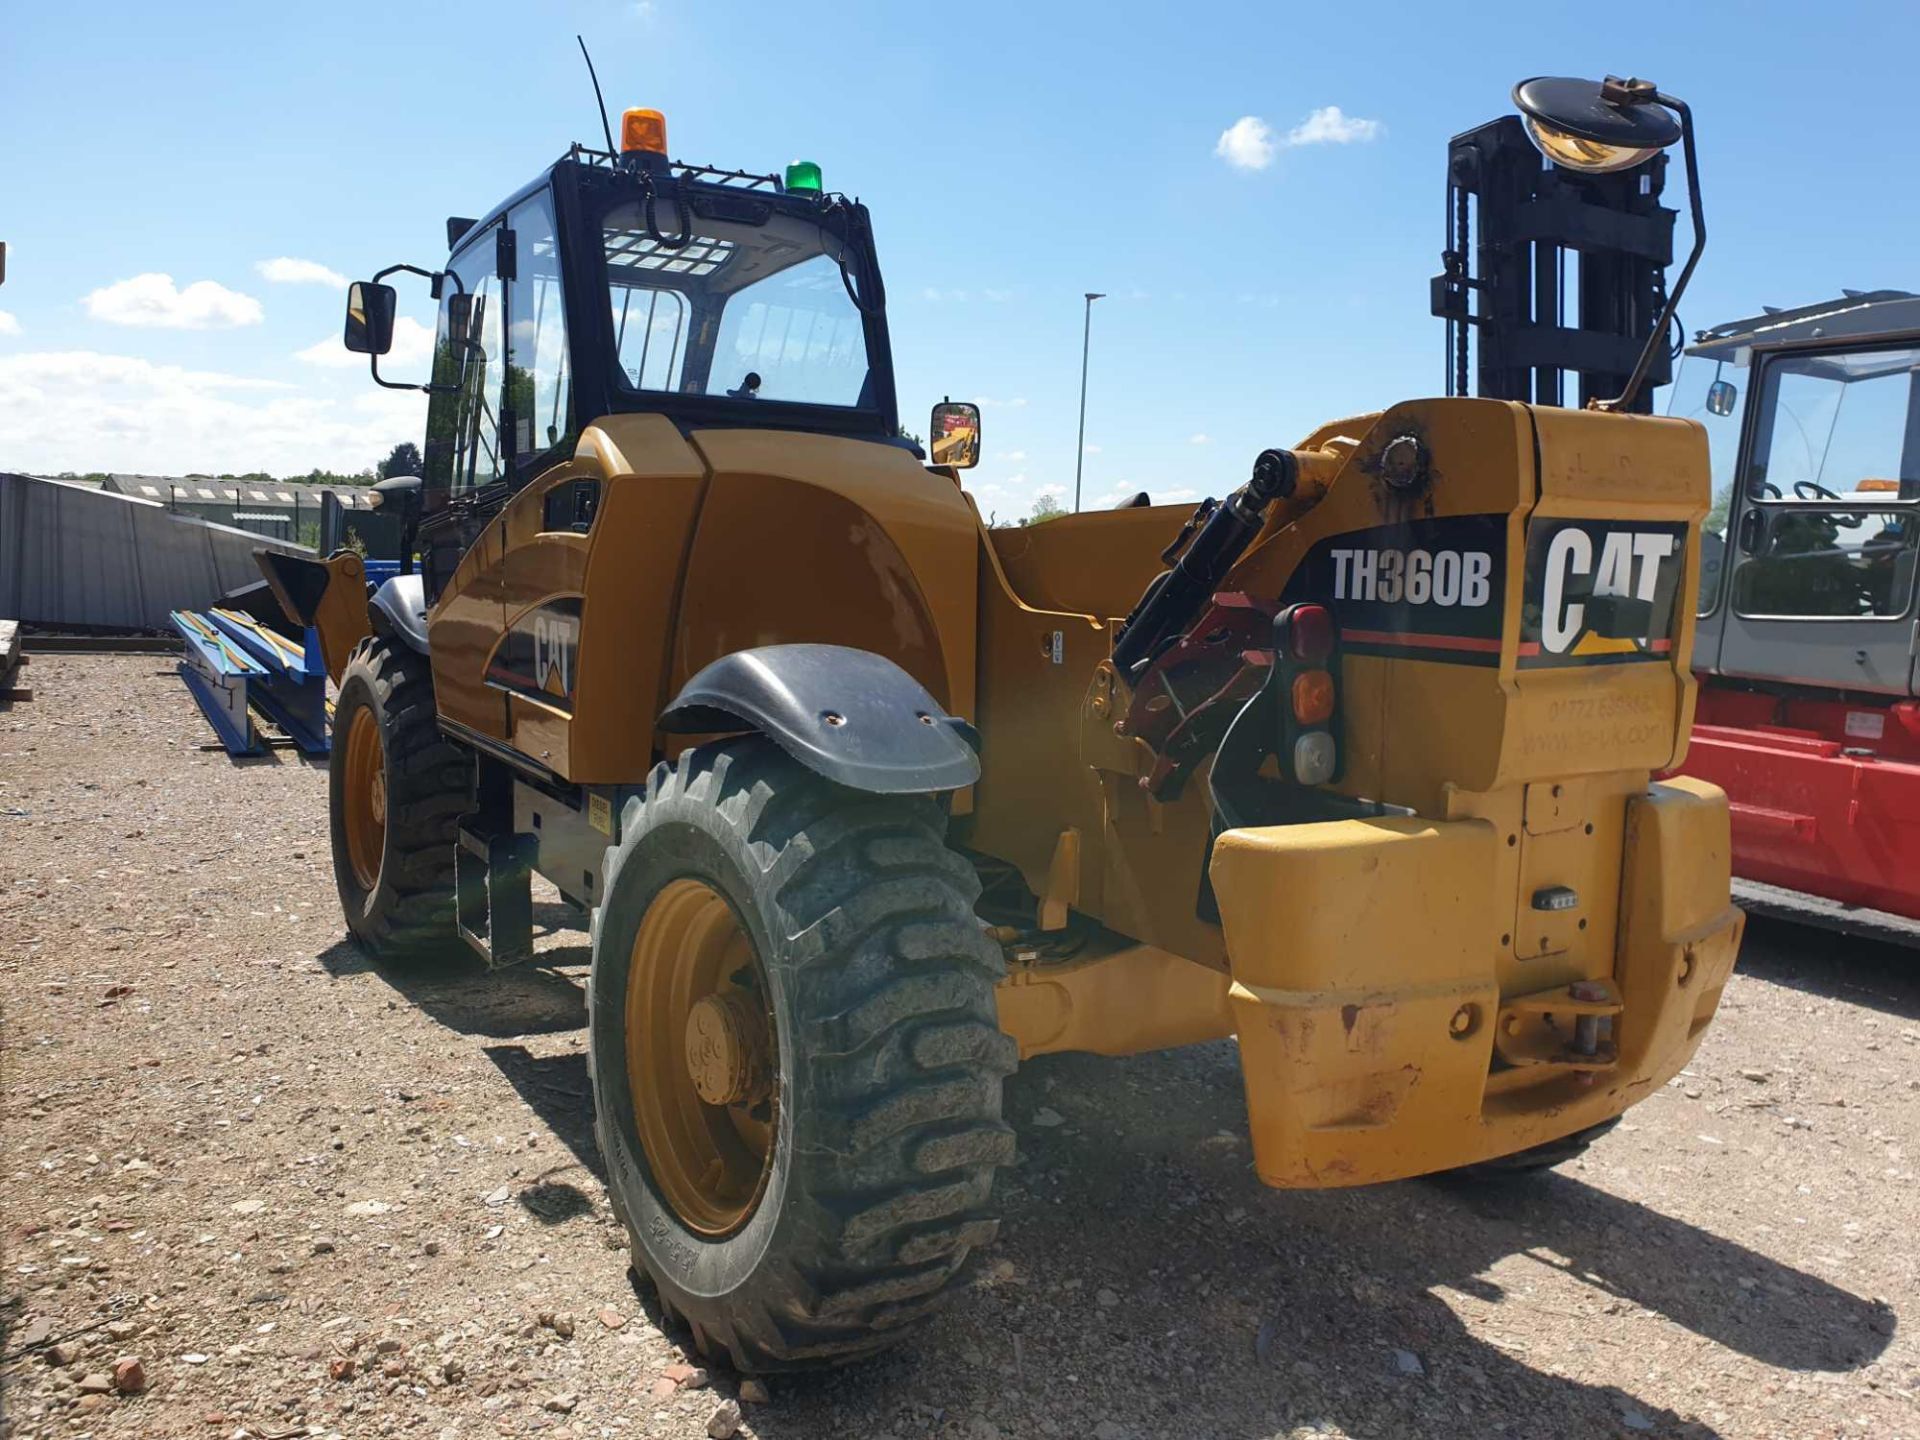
465	486
1824	540
548	521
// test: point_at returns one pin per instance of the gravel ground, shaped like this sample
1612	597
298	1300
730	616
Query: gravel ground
314	1198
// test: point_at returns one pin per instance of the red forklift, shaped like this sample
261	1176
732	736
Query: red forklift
1809	701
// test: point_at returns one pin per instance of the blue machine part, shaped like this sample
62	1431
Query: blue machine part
235	665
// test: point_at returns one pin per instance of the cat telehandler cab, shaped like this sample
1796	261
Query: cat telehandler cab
868	802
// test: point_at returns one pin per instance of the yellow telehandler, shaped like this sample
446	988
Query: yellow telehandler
868	802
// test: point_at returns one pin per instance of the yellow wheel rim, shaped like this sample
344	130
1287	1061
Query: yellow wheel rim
702	1061
365	804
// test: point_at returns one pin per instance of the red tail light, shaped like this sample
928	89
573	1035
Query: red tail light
1310	634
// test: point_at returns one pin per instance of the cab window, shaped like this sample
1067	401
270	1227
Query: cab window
1687	399
1838	426
746	309
1836	452
463	452
538	404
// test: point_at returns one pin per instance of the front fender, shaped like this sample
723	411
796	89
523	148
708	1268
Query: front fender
850	715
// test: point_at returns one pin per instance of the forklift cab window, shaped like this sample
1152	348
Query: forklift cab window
742	311
1835	450
1687	400
463	421
1841	425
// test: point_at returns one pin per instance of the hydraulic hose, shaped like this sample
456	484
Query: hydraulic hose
1178	594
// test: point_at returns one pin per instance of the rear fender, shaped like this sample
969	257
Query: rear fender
850	715
330	595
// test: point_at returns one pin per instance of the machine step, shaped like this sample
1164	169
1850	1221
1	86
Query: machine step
493	893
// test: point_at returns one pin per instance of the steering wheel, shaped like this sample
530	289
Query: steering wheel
1814	490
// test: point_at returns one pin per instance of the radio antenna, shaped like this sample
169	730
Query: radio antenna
606	125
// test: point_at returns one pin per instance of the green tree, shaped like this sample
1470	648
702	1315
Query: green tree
1716	520
1044	509
403	459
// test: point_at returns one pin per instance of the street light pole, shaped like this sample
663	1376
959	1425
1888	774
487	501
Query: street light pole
1080	450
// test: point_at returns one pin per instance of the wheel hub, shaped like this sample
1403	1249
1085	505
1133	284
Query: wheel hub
364	807
702	1057
727	1049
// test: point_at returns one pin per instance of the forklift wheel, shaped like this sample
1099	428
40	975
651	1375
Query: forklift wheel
1533	1161
796	1061
396	791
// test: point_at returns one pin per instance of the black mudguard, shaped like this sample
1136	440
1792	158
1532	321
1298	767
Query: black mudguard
850	715
402	601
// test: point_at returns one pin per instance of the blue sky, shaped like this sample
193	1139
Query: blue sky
1015	155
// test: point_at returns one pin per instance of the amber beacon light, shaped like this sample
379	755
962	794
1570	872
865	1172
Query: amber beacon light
643	131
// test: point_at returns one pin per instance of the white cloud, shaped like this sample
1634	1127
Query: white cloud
1247	144
1012	457
151	301
937	295
1090	449
987	402
1014	482
82	410
412	345
1057	491
285	270
9	323
1200	439
997	296
1329	126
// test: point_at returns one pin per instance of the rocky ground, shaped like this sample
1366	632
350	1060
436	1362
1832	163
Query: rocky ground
252	1187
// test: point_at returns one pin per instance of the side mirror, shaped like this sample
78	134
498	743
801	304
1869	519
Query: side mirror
370	310
955	429
1721	395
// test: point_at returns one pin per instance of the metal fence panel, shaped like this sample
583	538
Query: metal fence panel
73	556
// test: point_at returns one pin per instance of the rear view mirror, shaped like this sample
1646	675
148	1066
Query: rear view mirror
370	310
955	431
1721	395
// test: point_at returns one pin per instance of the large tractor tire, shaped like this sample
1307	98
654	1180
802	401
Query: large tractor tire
796	1062
396	791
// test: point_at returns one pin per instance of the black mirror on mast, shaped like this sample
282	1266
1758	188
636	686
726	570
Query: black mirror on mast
370	311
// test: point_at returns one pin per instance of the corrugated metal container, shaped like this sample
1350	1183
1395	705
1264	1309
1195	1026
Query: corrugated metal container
77	557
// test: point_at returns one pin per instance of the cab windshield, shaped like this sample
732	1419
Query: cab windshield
742	311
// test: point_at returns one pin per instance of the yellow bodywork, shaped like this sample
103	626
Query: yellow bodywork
1402	1004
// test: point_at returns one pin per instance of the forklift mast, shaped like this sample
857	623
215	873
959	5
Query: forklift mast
1533	242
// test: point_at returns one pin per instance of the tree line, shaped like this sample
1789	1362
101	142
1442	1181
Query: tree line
403	459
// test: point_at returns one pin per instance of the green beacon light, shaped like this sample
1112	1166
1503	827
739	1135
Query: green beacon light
804	175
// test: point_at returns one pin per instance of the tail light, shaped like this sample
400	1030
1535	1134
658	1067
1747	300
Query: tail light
1312	696
1310	634
1306	651
1315	757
